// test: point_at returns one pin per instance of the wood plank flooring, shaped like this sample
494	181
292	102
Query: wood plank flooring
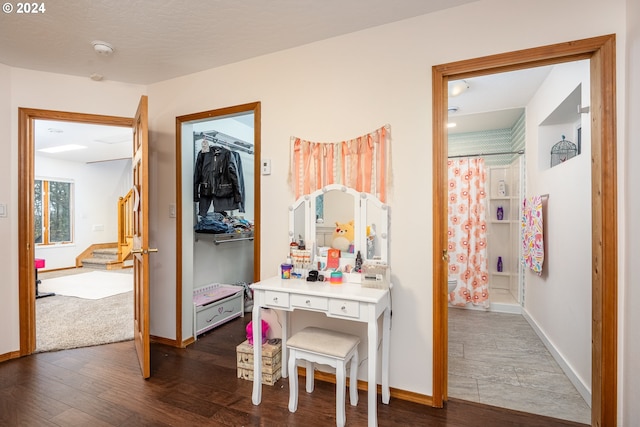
197	386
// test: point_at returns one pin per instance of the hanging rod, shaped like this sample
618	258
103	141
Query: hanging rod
235	145
487	154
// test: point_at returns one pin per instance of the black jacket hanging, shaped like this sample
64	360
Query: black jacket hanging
216	176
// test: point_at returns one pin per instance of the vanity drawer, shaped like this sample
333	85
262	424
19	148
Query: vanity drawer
311	302
344	308
276	299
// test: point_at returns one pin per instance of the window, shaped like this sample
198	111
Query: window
53	212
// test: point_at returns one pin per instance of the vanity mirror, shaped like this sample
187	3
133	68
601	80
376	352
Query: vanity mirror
313	218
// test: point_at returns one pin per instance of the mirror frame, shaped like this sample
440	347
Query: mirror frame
360	210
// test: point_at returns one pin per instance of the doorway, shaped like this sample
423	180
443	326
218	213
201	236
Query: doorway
26	156
601	53
82	172
217	233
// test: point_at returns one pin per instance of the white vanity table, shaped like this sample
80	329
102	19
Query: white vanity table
348	301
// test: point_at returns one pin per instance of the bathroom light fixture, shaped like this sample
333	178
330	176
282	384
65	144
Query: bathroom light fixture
451	125
102	48
458	87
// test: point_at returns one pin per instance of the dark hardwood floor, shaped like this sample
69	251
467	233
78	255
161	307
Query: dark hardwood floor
196	386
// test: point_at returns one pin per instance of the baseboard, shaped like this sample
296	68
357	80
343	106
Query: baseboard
364	385
8	356
566	368
165	341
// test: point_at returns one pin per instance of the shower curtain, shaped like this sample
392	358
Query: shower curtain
467	232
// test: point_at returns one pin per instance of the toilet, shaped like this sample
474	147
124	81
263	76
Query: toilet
452	283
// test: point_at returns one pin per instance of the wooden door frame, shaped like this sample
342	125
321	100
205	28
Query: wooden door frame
252	107
602	55
26	170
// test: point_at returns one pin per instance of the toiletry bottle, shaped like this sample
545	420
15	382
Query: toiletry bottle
358	266
500	213
499	264
502	188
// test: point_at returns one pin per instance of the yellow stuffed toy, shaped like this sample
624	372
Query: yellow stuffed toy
343	236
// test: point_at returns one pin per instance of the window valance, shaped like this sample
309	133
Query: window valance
362	163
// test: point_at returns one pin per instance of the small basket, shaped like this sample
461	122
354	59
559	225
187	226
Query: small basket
375	275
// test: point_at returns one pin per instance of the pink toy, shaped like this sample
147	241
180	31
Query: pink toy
265	328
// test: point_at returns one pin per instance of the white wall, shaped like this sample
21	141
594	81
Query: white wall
345	87
629	379
97	187
331	90
559	301
9	322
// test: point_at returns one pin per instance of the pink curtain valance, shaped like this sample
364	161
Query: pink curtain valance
362	163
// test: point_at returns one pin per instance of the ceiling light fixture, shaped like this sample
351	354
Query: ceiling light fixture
96	77
453	109
102	48
451	125
62	148
458	87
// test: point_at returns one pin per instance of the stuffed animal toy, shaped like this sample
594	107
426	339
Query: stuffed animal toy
342	236
249	329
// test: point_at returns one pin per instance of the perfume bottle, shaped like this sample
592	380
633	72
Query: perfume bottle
500	213
499	266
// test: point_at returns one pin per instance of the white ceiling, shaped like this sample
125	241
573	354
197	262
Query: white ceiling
155	40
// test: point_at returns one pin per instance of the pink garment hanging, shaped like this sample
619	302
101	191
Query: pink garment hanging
532	236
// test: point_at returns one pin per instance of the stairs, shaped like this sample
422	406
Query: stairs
103	259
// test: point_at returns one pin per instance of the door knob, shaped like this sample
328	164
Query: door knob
445	255
143	251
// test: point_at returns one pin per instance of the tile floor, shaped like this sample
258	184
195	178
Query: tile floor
497	359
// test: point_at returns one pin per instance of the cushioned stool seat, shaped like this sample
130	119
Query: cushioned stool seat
317	345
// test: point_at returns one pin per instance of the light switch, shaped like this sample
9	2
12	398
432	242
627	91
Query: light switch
3	210
266	167
172	210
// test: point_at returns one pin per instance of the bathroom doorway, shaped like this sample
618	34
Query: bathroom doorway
601	53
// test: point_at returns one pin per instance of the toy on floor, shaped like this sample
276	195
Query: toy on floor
265	328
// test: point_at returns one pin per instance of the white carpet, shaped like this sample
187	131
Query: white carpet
93	285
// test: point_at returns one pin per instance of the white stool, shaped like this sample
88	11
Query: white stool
316	345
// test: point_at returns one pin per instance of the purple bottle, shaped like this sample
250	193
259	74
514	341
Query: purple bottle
500	213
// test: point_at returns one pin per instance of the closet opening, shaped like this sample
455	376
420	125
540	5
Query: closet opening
218	208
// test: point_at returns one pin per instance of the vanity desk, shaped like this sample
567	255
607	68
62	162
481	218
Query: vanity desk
309	217
349	301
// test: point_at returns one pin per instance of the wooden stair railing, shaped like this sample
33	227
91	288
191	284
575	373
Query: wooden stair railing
125	226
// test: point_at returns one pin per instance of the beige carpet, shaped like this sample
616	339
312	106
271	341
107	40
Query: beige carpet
64	322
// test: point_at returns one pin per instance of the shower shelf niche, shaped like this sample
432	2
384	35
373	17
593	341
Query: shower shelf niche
503	235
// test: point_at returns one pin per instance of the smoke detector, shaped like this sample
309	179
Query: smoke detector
102	48
453	109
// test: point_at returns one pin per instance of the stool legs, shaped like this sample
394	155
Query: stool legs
309	381
353	379
340	383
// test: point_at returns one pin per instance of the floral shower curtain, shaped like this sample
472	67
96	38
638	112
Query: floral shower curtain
467	232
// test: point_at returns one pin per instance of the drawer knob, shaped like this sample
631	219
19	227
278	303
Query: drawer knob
343	308
275	299
308	302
